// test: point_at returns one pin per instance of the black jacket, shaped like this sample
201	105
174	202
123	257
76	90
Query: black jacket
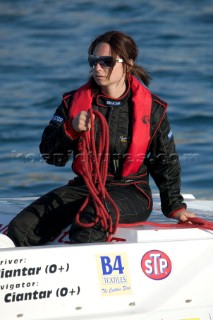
162	161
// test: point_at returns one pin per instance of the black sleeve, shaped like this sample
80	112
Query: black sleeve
164	167
56	145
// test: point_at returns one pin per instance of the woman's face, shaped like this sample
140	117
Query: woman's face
117	77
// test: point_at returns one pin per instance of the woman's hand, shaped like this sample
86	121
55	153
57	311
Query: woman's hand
81	122
182	215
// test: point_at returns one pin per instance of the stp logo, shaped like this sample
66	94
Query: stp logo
156	265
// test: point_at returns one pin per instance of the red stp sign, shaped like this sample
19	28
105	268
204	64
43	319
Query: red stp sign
156	265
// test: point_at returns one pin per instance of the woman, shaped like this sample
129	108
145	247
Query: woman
140	143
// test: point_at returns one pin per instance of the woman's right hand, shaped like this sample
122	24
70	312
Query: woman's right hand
81	122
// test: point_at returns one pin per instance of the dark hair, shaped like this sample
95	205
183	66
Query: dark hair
125	47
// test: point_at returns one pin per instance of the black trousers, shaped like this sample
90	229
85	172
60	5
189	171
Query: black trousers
49	214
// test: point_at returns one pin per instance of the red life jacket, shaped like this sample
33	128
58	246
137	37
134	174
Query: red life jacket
141	104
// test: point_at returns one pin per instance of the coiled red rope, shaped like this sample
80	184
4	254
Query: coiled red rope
94	172
94	157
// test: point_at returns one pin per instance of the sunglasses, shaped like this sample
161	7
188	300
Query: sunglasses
104	61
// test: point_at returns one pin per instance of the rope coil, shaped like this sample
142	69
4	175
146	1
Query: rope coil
94	172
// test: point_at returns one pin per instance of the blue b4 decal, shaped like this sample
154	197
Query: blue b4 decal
109	266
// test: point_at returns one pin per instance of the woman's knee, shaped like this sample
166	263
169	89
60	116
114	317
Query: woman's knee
21	230
14	232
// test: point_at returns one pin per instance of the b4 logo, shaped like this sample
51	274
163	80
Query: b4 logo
110	265
113	274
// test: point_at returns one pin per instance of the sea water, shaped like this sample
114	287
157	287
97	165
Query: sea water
43	53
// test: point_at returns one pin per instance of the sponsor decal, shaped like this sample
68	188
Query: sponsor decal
113	103
170	134
156	265
57	118
191	319
114	277
124	139
146	119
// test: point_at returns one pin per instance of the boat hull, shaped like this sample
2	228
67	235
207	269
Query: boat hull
146	273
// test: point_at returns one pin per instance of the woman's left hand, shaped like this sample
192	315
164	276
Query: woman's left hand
183	215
